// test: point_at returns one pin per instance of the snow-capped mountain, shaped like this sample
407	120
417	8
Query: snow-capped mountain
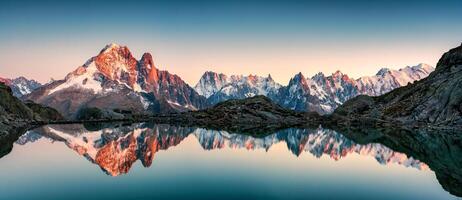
210	83
114	79
319	93
116	149
386	80
21	85
323	94
219	87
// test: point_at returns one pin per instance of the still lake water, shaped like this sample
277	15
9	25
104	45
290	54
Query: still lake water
149	161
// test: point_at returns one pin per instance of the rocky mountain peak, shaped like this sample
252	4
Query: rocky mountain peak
337	73
338	76
298	79
117	62
383	71
147	61
210	83
110	47
114	79
148	70
21	85
318	75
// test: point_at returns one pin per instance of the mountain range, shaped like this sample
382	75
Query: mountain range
21	86
114	80
436	99
319	93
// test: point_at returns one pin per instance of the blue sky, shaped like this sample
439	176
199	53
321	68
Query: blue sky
258	37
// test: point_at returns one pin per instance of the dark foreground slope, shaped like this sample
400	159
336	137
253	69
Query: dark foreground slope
16	115
435	100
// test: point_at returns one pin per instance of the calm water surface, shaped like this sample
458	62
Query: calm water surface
147	161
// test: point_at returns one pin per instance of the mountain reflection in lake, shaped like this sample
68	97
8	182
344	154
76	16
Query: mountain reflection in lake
323	164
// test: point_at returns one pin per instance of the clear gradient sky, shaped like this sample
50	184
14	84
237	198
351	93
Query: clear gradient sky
44	39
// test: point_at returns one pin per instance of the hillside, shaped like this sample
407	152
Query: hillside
255	115
435	100
15	113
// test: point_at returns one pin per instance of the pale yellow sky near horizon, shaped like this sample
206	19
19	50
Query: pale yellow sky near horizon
282	62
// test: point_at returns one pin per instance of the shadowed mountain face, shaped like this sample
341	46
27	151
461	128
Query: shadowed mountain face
435	100
15	113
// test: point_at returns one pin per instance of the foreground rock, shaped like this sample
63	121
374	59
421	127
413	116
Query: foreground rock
15	114
435	100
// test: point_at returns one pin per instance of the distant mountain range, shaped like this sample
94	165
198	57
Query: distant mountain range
114	79
436	99
319	93
21	85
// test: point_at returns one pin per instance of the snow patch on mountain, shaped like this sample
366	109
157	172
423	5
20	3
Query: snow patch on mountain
84	81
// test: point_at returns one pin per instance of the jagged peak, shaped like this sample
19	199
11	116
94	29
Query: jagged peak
298	78
318	77
337	73
147	61
212	74
115	49
252	77
383	71
320	74
110	46
146	56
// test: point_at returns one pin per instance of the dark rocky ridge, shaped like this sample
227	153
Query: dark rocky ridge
252	115
15	114
435	100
